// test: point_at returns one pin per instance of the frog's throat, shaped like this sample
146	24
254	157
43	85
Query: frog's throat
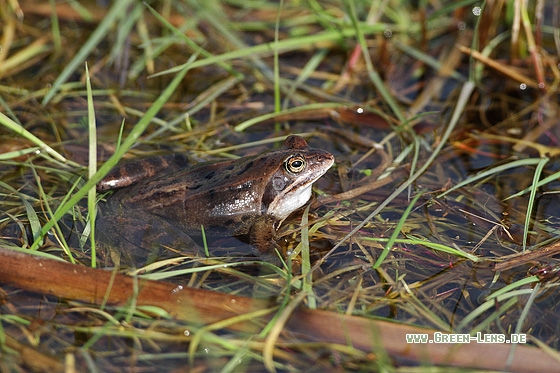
284	204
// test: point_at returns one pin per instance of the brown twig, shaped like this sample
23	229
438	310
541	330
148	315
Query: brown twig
519	259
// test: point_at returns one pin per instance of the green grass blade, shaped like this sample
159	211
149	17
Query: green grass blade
191	44
286	45
531	203
10	124
261	118
307	278
118	10
396	232
92	167
492	171
546	180
429	244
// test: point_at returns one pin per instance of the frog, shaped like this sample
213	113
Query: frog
169	201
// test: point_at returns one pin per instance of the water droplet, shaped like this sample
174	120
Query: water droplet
476	10
186	333
177	289
462	26
541	85
387	33
360	110
523	86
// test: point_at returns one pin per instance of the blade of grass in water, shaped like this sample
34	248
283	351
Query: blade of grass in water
432	245
55	29
10	124
541	183
526	309
60	236
123	32
118	10
286	45
81	10
396	232
147	62
34	222
277	327
424	310
163	275
498	297
531	202
204	242
14	63
307	286
92	166
277	100
213	12
311	65
488	314
191	44
261	118
492	171
427	59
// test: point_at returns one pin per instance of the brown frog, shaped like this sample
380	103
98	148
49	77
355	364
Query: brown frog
250	196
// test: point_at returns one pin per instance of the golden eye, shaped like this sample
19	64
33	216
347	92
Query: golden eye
295	164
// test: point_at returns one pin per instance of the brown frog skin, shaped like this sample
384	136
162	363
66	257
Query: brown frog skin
248	196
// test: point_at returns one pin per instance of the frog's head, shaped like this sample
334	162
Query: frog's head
297	167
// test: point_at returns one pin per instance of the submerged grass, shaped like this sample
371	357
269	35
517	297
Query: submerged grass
92	169
382	86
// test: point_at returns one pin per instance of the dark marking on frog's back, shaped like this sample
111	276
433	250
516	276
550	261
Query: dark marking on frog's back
249	165
211	193
132	172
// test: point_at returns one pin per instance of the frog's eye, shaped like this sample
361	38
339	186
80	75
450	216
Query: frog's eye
295	164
